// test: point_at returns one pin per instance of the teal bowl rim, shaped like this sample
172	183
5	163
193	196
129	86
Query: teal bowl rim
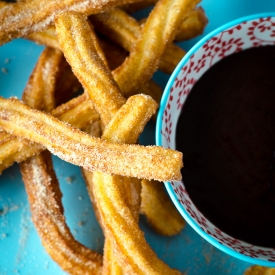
168	185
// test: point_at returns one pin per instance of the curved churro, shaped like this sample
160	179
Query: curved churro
125	30
78	112
77	48
191	27
40	90
122	199
74	146
135	254
20	19
114	56
159	210
47	214
125	127
157	32
113	133
42	185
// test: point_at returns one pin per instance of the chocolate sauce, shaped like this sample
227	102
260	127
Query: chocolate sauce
226	132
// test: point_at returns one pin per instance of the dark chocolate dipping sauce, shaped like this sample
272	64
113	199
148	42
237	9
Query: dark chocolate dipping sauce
226	132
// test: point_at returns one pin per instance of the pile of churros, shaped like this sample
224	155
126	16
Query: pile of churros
97	47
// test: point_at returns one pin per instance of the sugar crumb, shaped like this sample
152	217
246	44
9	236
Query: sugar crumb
69	180
4	70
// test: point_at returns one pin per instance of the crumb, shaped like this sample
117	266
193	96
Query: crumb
4	211
7	60
3	236
81	223
14	208
7	209
69	180
80	198
4	70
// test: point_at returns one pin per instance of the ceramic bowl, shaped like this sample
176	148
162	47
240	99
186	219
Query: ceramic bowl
244	33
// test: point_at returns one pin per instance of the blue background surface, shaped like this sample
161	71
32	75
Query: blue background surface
21	251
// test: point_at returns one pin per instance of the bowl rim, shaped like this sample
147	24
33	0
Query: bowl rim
158	138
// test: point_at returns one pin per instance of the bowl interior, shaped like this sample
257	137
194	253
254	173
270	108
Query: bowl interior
252	31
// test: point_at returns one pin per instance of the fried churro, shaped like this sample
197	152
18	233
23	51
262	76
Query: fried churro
259	270
78	112
123	201
74	146
42	185
144	58
114	164
127	261
114	56
23	18
47	214
47	78
125	30
40	94
193	26
125	127
159	210
77	48
40	90
135	254
14	149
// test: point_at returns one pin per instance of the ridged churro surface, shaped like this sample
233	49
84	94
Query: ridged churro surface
76	147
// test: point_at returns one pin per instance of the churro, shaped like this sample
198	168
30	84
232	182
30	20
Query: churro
118	134
144	58
114	55
74	146
77	48
159	210
20	19
78	112
114	164
193	26
259	270
40	90
47	214
42	185
125	127
45	37
47	78
14	149
130	261
125	30
135	254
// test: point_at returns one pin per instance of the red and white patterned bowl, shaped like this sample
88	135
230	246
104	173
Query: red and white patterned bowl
244	33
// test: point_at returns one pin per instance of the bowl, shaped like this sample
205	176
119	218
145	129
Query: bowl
244	33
